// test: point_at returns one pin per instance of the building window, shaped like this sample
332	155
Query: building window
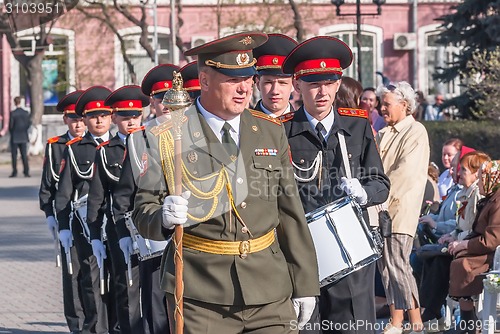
438	56
140	59
55	68
368	58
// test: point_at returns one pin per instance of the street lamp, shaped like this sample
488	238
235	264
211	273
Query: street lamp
358	15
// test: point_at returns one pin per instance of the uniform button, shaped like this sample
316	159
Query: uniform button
301	161
244	229
349	155
195	172
239	180
243	205
270	166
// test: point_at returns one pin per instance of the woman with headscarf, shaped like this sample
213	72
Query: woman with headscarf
436	269
474	255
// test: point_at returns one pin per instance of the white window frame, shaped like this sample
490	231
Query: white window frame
120	63
351	28
15	67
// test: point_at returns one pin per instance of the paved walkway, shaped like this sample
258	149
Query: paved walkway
30	283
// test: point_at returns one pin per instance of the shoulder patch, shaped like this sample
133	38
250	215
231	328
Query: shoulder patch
104	143
74	140
141	128
353	112
286	117
53	140
260	114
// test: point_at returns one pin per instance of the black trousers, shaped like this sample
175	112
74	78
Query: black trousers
23	148
72	297
94	305
126	298
154	304
348	306
434	284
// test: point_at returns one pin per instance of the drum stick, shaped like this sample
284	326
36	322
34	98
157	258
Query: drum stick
68	261
129	271
101	276
57	251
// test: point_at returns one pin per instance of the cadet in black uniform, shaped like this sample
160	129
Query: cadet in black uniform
191	83
127	103
77	169
275	86
156	82
54	150
313	135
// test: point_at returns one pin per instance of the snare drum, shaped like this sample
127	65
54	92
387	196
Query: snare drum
144	248
342	240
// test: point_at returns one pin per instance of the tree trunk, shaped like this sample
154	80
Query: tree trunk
35	78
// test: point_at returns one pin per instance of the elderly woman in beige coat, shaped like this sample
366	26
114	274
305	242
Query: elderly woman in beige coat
404	148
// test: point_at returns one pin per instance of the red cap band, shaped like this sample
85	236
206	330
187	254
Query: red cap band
95	105
269	61
318	66
160	86
128	104
192	84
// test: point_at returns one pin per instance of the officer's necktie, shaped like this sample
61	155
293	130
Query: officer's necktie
99	140
319	129
227	140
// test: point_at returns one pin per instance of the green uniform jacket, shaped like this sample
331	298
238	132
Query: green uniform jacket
267	199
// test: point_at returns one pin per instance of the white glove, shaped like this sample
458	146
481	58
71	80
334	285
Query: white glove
66	239
52	225
304	307
175	210
99	251
353	188
126	247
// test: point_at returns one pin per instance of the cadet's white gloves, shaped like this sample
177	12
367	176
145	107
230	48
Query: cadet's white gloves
52	225
99	251
304	307
66	239
175	210
126	247
352	187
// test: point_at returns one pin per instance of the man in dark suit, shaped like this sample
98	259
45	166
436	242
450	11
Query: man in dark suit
315	134
19	124
248	255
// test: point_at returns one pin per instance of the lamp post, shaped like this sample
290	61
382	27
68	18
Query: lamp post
358	15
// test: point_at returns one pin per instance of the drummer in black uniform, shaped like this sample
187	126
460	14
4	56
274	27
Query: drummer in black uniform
313	135
191	83
275	86
54	150
127	103
156	82
77	169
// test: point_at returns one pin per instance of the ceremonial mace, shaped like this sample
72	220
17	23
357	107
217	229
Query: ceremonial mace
177	100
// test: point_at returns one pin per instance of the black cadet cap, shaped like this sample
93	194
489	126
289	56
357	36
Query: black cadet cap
127	101
67	104
158	80
191	83
271	54
317	59
231	55
91	102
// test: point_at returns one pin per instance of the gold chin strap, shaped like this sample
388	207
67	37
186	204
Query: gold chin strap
166	145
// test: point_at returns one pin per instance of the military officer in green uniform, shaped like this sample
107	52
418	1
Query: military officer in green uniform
249	260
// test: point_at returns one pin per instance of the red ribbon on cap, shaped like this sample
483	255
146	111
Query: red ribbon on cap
69	109
317	66
95	105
